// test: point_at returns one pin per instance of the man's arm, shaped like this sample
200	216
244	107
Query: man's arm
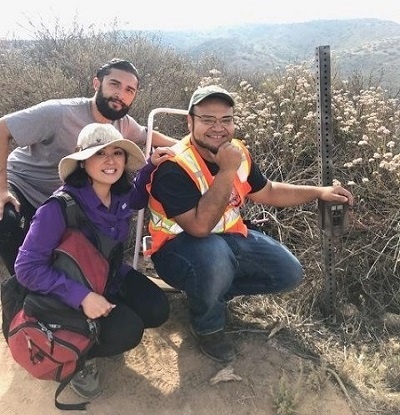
162	140
5	195
200	220
284	194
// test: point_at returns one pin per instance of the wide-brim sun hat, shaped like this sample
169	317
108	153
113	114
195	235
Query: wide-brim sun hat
92	138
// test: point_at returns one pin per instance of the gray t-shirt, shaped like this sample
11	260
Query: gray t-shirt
44	134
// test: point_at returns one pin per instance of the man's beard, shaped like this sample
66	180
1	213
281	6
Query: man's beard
202	144
106	111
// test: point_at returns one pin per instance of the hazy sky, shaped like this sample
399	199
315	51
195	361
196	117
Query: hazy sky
179	14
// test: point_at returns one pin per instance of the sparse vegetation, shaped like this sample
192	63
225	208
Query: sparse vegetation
285	397
276	115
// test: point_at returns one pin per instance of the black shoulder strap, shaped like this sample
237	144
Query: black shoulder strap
73	214
70	406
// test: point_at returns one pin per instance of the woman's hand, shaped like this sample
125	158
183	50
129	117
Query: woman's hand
160	154
95	306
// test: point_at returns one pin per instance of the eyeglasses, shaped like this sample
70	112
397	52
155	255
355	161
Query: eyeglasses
211	121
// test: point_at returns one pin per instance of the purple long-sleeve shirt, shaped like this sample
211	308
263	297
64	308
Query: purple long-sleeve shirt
33	266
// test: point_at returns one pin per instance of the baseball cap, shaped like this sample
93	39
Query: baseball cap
210	91
92	138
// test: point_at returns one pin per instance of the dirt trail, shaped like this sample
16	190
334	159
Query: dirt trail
166	375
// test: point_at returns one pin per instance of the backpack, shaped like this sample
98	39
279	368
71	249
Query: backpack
46	337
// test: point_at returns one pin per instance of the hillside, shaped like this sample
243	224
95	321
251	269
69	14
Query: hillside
365	46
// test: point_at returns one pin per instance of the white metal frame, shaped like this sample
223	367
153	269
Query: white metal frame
140	217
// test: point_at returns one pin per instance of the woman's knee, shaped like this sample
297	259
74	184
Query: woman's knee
121	330
131	335
134	337
158	314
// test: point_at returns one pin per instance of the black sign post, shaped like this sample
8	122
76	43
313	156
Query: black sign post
332	216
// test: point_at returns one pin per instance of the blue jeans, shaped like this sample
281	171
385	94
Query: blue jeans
216	268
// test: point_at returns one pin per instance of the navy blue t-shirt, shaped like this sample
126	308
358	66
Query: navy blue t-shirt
177	192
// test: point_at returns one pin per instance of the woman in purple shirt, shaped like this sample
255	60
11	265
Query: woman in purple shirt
98	177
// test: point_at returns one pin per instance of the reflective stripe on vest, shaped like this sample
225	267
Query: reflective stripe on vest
162	229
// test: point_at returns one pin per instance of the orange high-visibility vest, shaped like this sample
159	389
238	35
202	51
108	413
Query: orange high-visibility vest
163	229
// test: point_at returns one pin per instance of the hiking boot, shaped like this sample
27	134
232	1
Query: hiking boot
86	383
215	345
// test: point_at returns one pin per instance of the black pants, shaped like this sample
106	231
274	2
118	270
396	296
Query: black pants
13	228
141	304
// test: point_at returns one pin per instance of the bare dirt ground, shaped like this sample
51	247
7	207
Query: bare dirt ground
166	375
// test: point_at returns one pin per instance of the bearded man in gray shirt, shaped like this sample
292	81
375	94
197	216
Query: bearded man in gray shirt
45	133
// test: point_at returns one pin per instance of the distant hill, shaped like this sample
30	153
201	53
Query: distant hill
367	46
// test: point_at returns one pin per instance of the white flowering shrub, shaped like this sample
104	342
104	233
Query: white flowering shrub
276	116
